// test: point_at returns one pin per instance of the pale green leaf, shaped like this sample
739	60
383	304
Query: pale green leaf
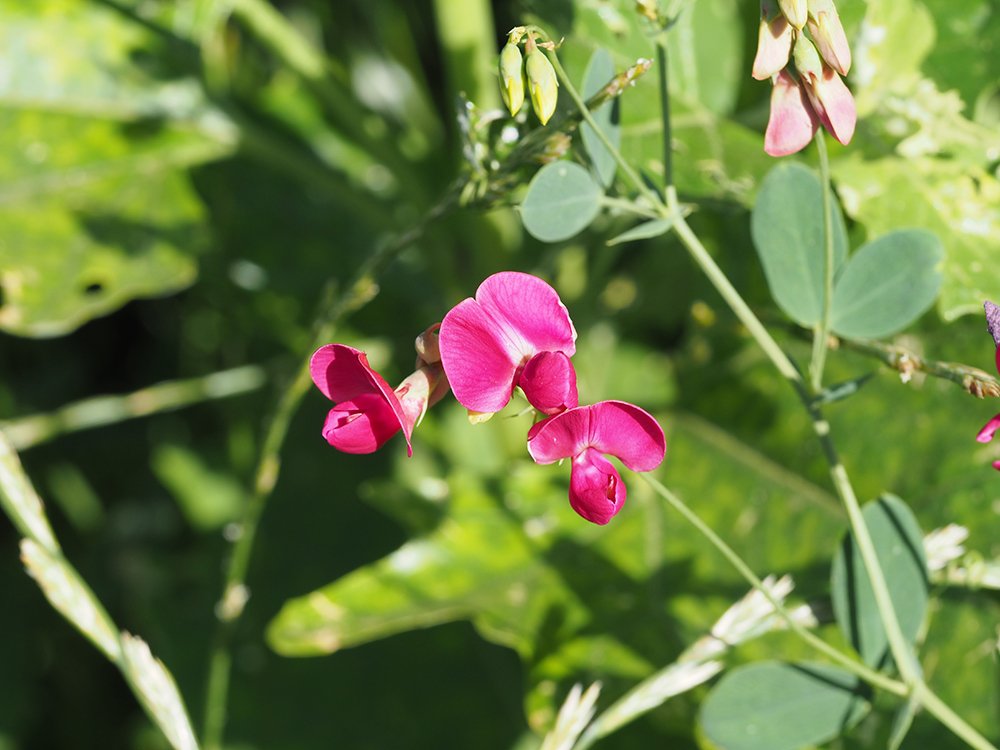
887	284
562	200
787	229
778	706
644	231
899	548
157	691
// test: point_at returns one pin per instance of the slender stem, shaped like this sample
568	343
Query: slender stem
668	146
362	290
628	206
854	666
32	430
822	332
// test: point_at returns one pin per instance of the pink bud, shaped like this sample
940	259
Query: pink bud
774	42
828	33
833	103
792	123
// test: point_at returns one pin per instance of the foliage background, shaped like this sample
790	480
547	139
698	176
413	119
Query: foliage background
174	199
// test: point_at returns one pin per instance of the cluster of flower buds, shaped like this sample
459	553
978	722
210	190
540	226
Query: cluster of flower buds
515	333
805	69
532	70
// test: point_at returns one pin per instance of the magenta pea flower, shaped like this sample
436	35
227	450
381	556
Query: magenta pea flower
515	333
367	411
586	434
993	325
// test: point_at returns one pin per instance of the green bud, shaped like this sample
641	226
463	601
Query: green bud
542	83
807	59
796	11
511	77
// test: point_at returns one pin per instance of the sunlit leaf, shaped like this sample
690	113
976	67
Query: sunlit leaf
887	284
562	200
899	548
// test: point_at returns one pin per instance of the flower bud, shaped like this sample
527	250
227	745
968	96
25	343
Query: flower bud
774	42
542	82
807	60
828	33
511	77
796	11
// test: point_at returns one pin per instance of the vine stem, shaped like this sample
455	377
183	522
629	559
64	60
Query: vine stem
852	665
897	643
362	289
822	333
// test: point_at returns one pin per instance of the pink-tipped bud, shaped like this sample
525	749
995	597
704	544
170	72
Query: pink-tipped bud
834	104
774	42
792	123
828	33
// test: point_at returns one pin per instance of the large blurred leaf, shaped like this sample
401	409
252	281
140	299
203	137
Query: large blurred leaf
899	548
887	284
958	204
95	207
776	706
788	232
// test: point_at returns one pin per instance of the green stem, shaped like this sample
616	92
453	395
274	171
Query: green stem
361	290
29	431
854	666
668	146
822	332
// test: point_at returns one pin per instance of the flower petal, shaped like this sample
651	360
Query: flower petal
993	324
533	317
596	491
989	430
549	382
342	373
834	104
774	46
792	123
479	360
627	432
362	425
562	436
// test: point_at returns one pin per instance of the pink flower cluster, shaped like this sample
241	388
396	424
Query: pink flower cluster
993	325
515	333
806	73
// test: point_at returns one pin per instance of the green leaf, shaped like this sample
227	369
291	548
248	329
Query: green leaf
787	230
899	548
95	205
644	231
774	705
562	200
207	498
887	284
600	70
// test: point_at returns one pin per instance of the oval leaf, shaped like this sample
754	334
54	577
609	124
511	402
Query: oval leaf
600	70
562	200
787	229
773	705
887	284
899	547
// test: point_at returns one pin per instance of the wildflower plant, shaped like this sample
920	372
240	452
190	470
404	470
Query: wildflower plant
696	268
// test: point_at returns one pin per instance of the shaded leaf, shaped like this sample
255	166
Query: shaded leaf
899	547
600	70
778	706
644	231
887	284
207	498
787	229
562	200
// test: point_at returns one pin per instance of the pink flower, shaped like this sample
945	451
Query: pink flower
585	434
993	325
793	122
367	411
516	332
833	103
774	42
828	33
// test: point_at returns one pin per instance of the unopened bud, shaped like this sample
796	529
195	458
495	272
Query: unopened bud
796	11
543	86
807	59
774	42
648	9
511	77
828	33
